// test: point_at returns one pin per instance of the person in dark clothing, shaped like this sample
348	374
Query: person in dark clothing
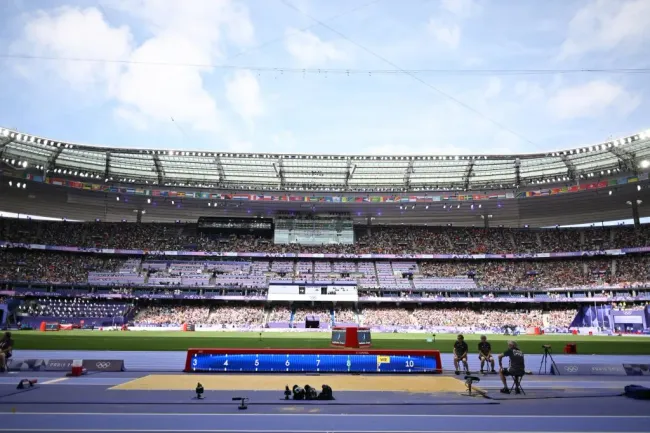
517	365
6	346
460	354
485	353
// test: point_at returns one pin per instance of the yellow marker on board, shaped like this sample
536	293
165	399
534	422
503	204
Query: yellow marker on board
383	360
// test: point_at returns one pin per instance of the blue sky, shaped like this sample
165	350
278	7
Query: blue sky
170	55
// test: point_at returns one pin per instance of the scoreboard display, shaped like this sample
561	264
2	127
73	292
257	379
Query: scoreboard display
312	361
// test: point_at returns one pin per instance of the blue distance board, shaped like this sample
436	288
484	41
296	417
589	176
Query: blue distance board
326	363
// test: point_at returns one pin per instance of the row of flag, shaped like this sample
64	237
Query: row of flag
338	198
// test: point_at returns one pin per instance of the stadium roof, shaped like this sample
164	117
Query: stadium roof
293	172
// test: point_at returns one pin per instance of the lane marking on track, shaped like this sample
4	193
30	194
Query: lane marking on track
113	414
282	431
60	379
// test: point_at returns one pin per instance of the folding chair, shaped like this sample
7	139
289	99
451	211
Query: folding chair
516	383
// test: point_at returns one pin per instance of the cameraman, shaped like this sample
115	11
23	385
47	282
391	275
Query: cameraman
6	346
517	365
460	353
485	353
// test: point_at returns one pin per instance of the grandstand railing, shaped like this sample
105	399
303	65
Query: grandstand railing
363	299
548	255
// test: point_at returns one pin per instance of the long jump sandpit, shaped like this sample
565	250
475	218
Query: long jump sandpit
238	382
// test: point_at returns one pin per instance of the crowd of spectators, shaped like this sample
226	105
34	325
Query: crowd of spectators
345	315
220	316
300	314
376	316
279	313
496	275
71	308
171	315
49	267
485	319
378	240
506	275
244	316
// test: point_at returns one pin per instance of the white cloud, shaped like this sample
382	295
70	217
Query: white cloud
175	33
284	141
240	147
493	89
447	34
75	33
604	25
163	92
529	90
591	100
243	92
132	117
461	8
310	50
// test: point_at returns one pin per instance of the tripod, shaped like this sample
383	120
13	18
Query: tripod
543	365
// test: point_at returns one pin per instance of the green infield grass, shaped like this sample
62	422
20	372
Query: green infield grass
176	340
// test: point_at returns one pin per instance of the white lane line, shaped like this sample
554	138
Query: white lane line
112	414
60	379
284	431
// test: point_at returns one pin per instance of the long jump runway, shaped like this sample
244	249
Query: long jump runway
140	402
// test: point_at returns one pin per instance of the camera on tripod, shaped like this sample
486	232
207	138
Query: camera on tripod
545	358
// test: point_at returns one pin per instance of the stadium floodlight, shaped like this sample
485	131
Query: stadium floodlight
148	201
24	185
610	192
24	164
638	187
11	183
645	163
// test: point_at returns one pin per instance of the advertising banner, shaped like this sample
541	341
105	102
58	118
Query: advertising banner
288	292
26	364
103	364
589	370
59	365
637	369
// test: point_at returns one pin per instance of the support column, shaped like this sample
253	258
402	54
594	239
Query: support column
486	221
635	214
139	216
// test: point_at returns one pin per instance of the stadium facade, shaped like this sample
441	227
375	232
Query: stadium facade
600	182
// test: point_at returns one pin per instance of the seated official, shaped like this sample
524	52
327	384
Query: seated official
517	365
485	353
460	354
6	346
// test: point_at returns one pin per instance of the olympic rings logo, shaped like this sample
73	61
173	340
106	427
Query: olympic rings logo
103	365
571	369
